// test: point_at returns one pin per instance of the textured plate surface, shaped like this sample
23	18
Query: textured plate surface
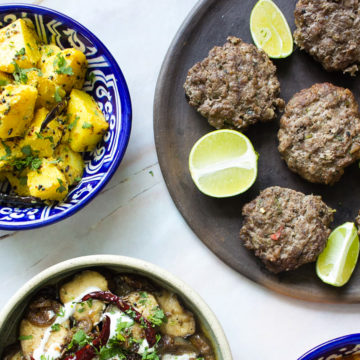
177	126
110	91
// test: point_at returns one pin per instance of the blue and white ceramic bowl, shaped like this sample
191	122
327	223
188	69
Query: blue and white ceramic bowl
334	349
111	93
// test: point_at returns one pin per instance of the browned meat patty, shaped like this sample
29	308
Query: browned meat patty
320	133
329	30
235	86
286	228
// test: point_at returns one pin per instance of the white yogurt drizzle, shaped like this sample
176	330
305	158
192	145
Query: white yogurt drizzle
116	315
54	351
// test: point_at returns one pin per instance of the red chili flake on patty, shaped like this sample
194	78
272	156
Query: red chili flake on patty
276	236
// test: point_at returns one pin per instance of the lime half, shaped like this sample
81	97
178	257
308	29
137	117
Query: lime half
223	163
270	30
336	263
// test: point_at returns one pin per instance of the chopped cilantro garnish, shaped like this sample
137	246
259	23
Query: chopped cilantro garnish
20	75
111	350
57	96
55	327
25	337
86	125
150	355
26	150
61	66
61	188
90	77
73	124
7	151
130	313
21	52
121	328
61	312
158	317
79	339
50	52
90	301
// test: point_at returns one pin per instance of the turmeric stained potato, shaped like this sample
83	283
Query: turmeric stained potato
19	46
87	123
47	182
17	104
42	157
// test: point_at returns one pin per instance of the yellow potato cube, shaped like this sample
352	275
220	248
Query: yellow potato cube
9	150
71	163
87	123
18	182
46	51
20	44
48	182
43	142
67	69
17	103
48	92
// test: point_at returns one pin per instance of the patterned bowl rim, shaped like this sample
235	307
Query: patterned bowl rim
328	346
126	110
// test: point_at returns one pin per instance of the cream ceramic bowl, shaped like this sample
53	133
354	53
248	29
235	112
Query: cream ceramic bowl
13	310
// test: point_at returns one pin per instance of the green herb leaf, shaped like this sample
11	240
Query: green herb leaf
79	339
91	77
25	337
61	312
61	67
150	355
26	150
61	188
73	124
50	52
21	52
86	125
112	350
158	317
35	163
55	327
57	95
3	82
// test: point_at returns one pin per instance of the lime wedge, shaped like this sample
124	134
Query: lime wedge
223	163
336	263
270	30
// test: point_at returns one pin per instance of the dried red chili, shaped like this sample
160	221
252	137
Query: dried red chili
124	306
89	351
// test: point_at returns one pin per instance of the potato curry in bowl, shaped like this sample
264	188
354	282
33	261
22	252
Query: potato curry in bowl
65	116
46	120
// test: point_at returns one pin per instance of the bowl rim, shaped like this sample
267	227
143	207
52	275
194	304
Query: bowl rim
333	344
144	267
126	112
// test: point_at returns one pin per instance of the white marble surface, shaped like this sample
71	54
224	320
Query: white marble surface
135	215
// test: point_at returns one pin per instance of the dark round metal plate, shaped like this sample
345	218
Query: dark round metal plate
177	126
